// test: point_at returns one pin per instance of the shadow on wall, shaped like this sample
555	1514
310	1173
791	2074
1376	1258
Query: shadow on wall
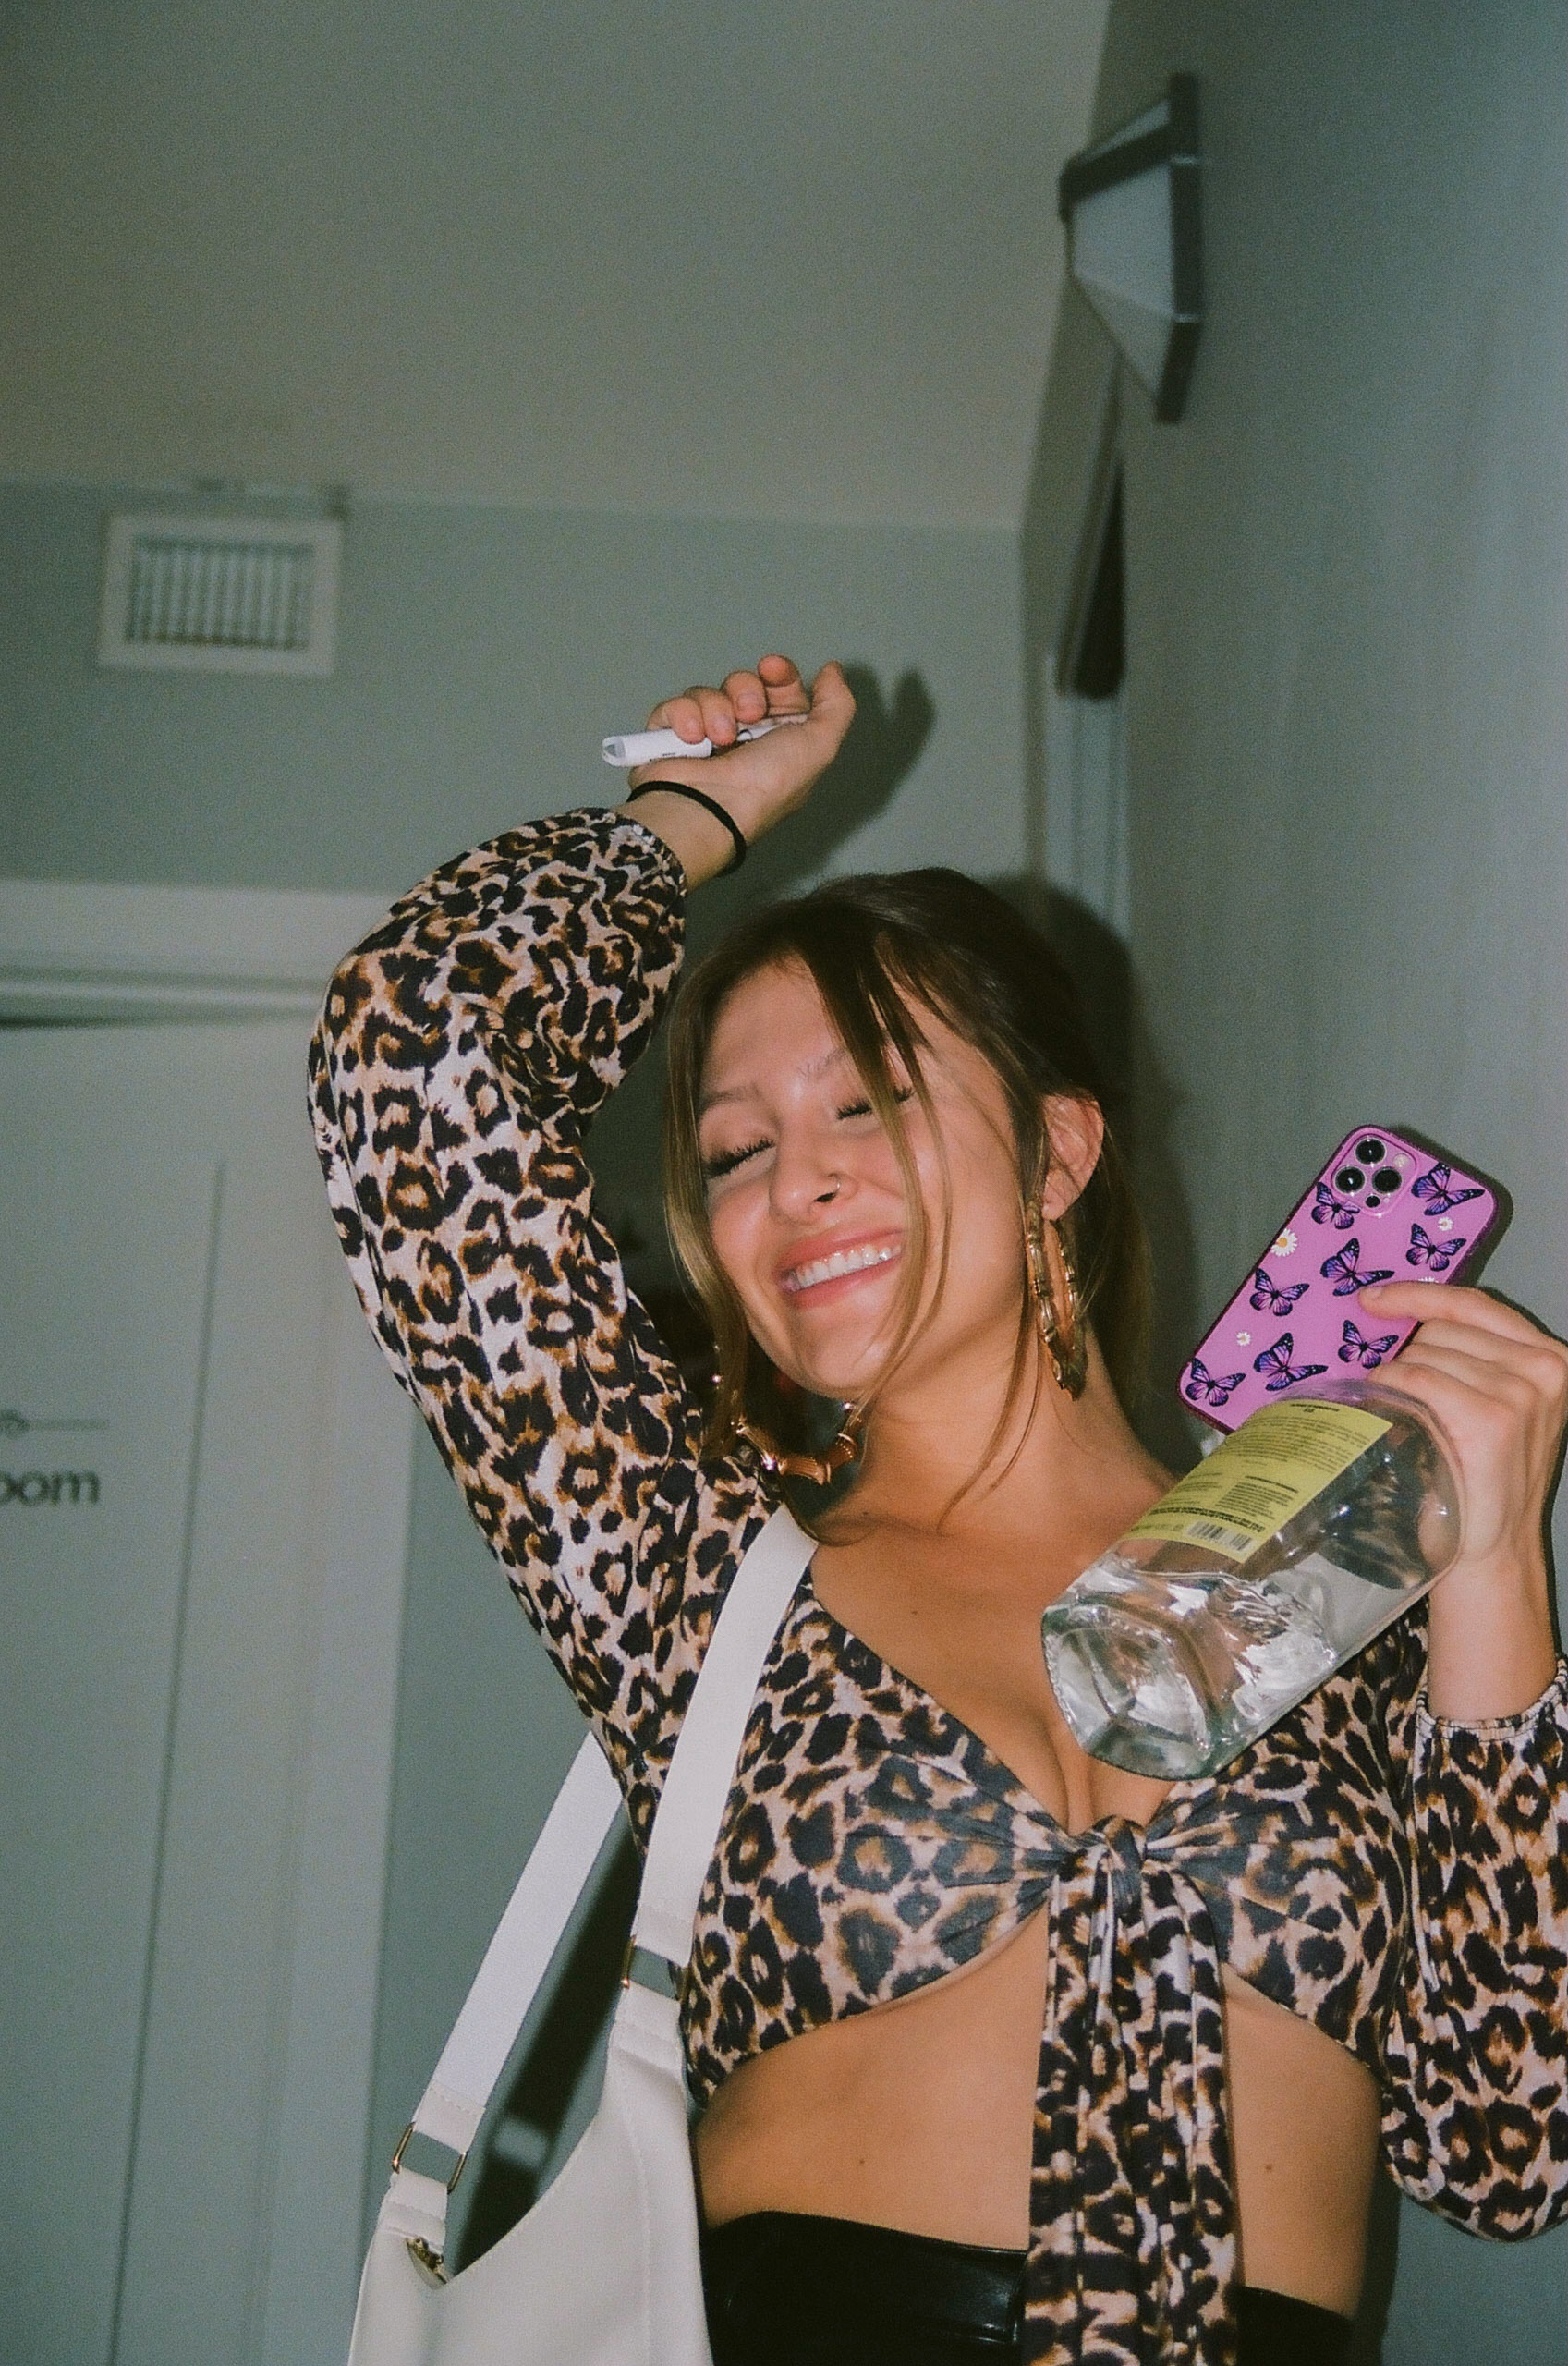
1075	444
1139	1111
534	2111
884	743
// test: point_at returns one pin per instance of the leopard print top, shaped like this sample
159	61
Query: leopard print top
1395	1879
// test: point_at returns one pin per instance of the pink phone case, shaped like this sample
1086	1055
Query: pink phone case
1384	1208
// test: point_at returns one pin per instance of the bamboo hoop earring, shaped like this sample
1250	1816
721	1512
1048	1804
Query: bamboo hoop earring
818	1468
1065	1341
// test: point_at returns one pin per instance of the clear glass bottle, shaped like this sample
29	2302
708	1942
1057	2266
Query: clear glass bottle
1320	1520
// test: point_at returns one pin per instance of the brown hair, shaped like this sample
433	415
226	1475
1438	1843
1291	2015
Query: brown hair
878	947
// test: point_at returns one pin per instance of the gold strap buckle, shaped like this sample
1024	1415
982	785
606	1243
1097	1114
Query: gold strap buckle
403	2146
670	1978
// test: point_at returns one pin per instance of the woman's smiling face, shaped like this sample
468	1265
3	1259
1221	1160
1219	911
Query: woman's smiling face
807	1202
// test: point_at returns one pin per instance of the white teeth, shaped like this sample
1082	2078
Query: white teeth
828	1269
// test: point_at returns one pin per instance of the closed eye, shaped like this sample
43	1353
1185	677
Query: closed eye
862	1108
725	1162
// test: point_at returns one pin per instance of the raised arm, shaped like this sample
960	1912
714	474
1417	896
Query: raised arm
463	1048
758	784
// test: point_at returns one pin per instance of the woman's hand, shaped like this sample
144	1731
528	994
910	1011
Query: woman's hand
1499	1389
759	782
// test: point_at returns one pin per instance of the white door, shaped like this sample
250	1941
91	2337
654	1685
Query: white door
204	1477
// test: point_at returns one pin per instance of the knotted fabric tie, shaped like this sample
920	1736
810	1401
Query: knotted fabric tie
1133	2249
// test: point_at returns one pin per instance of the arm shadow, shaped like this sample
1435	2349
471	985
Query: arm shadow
884	744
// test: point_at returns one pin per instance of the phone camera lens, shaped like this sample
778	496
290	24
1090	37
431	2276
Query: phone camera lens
1386	1179
1370	1151
1349	1178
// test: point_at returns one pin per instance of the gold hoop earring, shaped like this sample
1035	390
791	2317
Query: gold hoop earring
818	1468
1064	1341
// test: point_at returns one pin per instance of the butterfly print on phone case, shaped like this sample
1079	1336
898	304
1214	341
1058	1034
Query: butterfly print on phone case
1437	1256
1434	1189
1206	1387
1368	1353
1344	1269
1328	1210
1270	1297
1275	1363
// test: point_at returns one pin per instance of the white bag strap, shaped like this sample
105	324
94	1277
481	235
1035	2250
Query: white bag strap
560	1865
685	1829
692	1806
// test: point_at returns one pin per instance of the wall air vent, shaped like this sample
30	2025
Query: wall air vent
221	595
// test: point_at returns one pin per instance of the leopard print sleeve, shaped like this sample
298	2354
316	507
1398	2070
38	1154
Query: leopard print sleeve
462	1049
1476	2053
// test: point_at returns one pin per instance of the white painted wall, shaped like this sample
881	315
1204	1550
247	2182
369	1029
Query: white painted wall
656	255
1346	697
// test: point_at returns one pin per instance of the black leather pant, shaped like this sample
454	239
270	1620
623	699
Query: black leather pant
786	2290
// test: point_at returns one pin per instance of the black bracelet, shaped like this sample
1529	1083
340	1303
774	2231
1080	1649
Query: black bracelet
708	805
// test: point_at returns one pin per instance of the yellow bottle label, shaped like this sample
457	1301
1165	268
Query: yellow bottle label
1280	1459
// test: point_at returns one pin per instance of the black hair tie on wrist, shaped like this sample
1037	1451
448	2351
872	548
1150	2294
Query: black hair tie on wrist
708	805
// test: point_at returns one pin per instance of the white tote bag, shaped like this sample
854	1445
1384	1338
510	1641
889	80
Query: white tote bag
604	2269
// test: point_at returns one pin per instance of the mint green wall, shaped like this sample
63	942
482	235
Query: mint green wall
1348	638
484	652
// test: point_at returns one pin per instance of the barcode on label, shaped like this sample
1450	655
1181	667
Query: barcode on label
1235	1540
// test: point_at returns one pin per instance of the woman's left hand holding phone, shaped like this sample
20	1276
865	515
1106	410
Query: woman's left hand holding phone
759	782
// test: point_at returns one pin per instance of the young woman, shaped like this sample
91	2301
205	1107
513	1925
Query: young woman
1000	2053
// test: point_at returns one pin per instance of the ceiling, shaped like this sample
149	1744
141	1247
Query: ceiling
799	261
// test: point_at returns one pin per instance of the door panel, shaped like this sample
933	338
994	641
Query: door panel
205	1673
104	1272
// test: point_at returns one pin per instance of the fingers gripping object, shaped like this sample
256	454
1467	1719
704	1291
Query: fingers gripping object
628	748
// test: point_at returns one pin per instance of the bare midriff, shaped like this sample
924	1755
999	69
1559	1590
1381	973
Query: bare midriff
919	2115
916	2114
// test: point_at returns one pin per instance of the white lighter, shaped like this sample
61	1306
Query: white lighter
655	747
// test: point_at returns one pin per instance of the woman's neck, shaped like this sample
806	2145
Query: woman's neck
944	1451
